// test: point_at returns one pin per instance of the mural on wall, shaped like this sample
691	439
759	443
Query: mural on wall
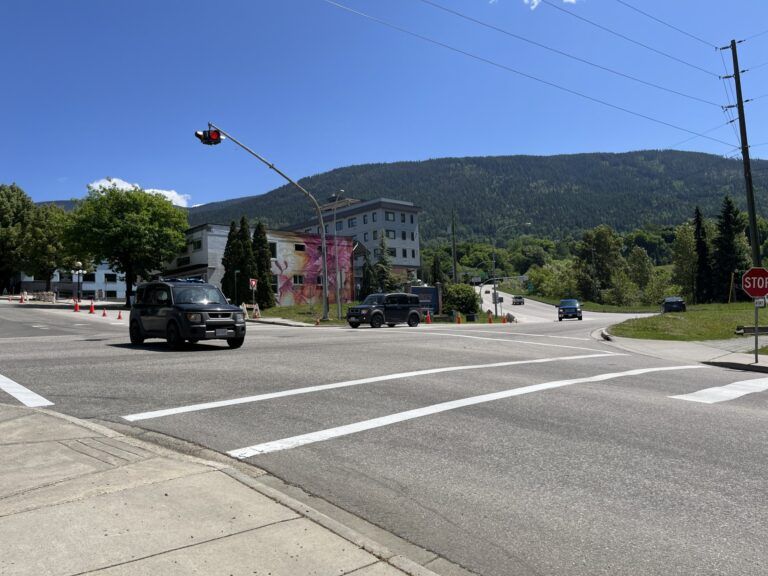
306	266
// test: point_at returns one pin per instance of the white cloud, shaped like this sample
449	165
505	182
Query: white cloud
535	3
176	198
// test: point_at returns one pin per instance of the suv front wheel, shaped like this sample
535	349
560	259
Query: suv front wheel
376	321
173	336
235	342
413	320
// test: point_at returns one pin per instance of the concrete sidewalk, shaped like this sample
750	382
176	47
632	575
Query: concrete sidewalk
78	498
736	353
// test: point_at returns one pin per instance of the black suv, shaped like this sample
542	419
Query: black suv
180	310
389	309
568	308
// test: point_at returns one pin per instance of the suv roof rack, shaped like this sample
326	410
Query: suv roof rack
191	280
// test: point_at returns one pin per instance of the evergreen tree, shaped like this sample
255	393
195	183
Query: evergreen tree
368	282
265	297
598	256
703	280
246	264
640	267
684	260
383	268
728	255
229	262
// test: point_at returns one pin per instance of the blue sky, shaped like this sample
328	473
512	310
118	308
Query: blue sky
96	88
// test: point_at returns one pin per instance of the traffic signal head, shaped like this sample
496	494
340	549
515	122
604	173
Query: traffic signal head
209	137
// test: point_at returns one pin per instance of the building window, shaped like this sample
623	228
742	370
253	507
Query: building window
299	247
373	217
375	234
182	261
197	244
402	217
413	253
392	252
365	218
319	281
411	218
402	235
339	225
352	222
89	277
111	293
389	216
298	280
273	249
273	283
365	236
110	277
318	229
405	253
413	236
391	234
376	252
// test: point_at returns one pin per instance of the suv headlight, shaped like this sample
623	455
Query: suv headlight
239	316
194	317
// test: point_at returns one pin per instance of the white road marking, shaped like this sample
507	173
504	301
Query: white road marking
40	326
117	323
23	395
509	340
724	393
516	333
295	441
383	378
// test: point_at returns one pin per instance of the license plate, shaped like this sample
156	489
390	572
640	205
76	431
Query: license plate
221	331
353	318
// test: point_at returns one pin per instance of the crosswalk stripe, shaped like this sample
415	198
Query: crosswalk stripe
725	393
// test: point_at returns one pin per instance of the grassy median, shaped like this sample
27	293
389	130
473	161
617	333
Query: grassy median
700	322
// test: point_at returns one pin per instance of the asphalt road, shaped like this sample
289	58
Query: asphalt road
526	448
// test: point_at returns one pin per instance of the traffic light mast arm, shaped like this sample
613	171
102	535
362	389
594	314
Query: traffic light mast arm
308	195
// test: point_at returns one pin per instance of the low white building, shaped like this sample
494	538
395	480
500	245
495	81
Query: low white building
101	284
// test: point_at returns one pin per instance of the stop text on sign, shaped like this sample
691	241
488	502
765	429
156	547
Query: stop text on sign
755	282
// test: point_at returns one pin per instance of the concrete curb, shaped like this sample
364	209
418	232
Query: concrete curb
737	366
280	322
382	552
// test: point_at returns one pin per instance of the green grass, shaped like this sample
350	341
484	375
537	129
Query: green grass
303	313
701	322
593	307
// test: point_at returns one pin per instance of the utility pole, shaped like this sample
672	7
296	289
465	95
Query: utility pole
453	242
754	241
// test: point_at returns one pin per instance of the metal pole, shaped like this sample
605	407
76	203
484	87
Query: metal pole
756	331
336	255
308	195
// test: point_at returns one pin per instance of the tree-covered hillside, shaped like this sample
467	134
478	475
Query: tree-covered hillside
554	196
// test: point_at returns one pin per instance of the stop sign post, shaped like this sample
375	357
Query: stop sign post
755	284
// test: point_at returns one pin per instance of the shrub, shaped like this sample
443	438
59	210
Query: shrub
460	297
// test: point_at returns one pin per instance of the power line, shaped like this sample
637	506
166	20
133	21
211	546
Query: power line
627	38
518	72
705	132
755	35
667	24
566	54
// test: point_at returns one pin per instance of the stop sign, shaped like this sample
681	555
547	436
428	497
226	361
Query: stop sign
755	282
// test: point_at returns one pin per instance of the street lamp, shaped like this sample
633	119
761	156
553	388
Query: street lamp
78	274
336	198
235	295
202	136
493	273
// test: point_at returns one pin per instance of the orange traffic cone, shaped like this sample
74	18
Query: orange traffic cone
104	313
92	310
119	314
503	319
21	298
429	318
490	318
77	305
458	318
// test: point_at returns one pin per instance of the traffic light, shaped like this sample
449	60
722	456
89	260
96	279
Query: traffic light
209	137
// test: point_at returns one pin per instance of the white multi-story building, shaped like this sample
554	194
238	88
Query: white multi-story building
366	222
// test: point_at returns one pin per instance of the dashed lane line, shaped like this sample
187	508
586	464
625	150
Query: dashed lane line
725	393
321	435
22	394
347	383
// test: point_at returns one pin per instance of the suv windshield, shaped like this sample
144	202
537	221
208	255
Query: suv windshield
569	302
374	299
198	295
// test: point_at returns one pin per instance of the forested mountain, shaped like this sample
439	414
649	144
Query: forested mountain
555	196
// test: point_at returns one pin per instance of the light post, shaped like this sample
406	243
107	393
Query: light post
236	273
495	291
78	275
212	127
336	198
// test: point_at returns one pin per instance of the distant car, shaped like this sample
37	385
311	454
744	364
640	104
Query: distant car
568	308
673	304
389	309
180	310
518	300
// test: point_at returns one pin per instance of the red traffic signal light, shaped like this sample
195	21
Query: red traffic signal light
209	137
